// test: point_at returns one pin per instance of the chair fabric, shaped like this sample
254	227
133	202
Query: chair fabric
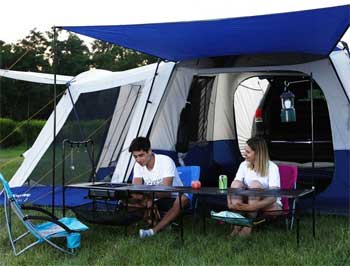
52	227
188	174
288	178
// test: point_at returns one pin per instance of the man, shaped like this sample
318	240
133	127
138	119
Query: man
156	169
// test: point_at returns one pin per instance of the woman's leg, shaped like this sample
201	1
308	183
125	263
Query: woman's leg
272	210
246	230
231	203
233	200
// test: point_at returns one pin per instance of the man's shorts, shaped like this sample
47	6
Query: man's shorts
164	204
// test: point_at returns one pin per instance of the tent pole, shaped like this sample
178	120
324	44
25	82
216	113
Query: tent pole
312	130
54	65
144	110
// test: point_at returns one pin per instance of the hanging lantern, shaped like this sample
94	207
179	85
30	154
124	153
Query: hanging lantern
287	111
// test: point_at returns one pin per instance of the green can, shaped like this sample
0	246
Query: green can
222	182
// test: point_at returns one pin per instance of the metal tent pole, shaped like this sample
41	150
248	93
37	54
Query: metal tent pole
312	130
54	64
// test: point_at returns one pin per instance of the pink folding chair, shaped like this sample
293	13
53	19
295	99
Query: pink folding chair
288	177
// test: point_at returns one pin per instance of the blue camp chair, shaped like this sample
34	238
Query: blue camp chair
188	174
52	227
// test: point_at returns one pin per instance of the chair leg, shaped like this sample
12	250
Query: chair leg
293	215
287	223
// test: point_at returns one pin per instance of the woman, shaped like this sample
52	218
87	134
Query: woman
256	172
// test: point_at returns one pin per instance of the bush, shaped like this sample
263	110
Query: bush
9	135
30	130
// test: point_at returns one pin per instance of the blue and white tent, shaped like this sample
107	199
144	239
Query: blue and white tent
199	105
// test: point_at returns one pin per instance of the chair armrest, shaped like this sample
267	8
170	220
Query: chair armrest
33	208
48	219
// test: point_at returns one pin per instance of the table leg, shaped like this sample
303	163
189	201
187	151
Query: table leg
126	212
181	219
152	209
203	209
313	214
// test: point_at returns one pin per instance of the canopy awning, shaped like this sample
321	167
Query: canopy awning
313	32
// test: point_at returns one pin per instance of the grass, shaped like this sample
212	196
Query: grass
270	245
10	160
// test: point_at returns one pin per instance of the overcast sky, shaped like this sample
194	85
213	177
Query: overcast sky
17	17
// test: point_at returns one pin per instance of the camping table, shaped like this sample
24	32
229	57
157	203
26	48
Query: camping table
203	191
295	194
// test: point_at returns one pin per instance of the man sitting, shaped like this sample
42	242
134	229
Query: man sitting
156	169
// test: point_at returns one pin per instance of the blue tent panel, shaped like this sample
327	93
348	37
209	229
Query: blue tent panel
42	196
313	32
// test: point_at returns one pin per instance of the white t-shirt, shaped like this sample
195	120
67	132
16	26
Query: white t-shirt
247	176
163	167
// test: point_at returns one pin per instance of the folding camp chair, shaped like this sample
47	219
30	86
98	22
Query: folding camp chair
188	174
288	178
52	227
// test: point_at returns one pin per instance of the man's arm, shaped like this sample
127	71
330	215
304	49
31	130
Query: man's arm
137	181
167	181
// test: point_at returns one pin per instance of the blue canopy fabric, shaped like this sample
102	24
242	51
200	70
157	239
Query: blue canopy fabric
312	32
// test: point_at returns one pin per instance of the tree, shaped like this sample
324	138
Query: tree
115	58
73	56
21	99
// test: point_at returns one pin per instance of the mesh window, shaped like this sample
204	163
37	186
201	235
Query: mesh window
94	112
199	99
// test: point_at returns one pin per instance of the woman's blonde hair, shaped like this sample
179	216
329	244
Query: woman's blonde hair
261	164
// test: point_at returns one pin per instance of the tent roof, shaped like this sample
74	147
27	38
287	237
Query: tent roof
313	31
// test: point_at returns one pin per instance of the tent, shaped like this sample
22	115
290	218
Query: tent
199	107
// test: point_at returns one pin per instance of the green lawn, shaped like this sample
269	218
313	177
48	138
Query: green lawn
10	160
270	245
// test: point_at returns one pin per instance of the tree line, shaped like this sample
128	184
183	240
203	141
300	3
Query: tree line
21	100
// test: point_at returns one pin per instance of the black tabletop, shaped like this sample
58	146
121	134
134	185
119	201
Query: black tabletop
293	193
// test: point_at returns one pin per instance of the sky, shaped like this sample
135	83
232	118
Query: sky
17	17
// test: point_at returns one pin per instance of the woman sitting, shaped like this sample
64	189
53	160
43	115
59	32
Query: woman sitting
256	172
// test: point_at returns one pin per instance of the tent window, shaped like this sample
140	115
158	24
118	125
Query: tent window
199	99
95	110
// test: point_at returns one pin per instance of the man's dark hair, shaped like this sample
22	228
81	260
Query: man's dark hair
140	144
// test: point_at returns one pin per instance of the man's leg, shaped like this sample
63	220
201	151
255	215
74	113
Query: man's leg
171	215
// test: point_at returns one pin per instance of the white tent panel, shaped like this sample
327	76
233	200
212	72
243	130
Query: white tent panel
341	61
35	77
247	98
98	81
170	109
119	125
143	117
224	125
102	79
